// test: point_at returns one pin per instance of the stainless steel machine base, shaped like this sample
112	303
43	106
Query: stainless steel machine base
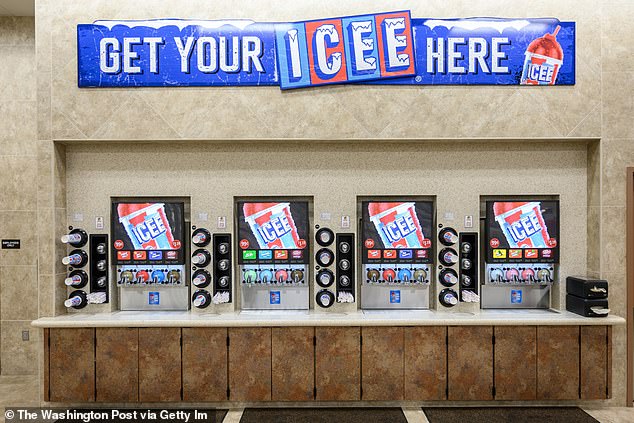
154	297
394	296
272	297
515	296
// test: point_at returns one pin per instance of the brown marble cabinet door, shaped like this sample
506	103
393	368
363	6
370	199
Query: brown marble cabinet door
72	365
515	362
338	363
47	365
159	364
557	362
470	357
250	364
425	363
382	363
609	362
117	364
293	364
204	364
594	362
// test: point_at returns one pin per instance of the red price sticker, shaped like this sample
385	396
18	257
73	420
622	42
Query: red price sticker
494	243
426	243
118	244
369	243
176	244
244	244
301	243
552	242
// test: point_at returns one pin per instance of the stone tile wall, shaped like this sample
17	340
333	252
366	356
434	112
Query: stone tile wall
18	196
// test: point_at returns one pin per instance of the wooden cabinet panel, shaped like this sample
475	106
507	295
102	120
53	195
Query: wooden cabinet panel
515	362
250	364
47	366
204	364
293	364
117	364
470	356
594	362
282	364
382	363
338	363
609	362
425	363
72	365
159	364
557	362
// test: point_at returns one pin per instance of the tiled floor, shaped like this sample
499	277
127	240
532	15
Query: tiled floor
24	391
18	391
612	414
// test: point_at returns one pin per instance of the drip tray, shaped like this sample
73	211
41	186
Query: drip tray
287	313
535	311
276	312
399	312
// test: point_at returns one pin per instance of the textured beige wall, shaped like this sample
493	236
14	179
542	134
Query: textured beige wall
600	105
457	174
368	112
616	153
18	194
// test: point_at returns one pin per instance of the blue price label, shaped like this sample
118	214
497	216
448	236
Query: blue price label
516	296
395	297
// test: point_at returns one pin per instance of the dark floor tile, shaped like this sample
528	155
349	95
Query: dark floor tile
508	414
323	415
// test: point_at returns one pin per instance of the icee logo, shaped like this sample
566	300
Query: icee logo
527	226
541	73
356	48
400	228
275	228
151	228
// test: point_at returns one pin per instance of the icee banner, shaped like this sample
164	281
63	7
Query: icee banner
174	52
493	51
383	48
351	49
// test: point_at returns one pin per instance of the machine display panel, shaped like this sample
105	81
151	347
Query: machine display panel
522	231
397	232
148	232
272	232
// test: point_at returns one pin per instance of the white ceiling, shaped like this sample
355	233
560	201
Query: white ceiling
17	7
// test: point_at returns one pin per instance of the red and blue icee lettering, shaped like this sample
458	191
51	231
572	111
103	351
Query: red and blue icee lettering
543	59
523	224
146	225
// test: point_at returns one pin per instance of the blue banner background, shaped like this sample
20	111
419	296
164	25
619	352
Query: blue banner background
90	75
519	41
169	59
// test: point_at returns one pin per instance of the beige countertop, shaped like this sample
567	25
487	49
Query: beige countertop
312	318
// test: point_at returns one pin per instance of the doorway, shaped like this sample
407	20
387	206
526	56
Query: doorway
630	286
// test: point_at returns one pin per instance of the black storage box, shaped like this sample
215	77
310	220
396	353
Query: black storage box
583	287
584	306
